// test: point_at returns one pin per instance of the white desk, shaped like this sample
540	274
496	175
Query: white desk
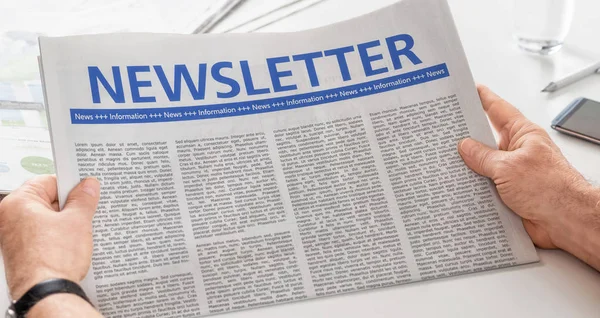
558	286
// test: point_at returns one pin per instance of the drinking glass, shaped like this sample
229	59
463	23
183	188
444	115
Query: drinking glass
540	26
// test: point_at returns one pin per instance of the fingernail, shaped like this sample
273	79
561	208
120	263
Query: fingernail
91	186
467	146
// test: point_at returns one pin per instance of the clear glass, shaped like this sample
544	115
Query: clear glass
541	26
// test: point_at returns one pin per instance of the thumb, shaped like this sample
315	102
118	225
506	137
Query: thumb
83	199
479	157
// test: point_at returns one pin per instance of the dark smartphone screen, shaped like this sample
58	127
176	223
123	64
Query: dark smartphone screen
585	119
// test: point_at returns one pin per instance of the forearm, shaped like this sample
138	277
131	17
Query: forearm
63	306
577	231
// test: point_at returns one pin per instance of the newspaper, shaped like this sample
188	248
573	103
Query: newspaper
243	170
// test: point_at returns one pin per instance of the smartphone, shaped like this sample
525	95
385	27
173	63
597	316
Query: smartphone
580	119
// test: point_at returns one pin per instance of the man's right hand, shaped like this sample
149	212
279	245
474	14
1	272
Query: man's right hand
558	206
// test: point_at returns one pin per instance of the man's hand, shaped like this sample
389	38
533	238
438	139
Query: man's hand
39	241
535	180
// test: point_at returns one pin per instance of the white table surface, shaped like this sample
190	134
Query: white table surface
558	286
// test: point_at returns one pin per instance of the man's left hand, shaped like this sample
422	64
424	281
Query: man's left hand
39	241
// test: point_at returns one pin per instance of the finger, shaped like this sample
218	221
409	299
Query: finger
501	113
83	199
43	186
479	157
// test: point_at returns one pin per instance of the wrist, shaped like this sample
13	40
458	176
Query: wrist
19	284
62	305
44	294
577	223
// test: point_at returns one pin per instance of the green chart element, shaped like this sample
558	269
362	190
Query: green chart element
38	165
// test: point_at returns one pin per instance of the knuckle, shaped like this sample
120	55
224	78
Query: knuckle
503	167
504	163
526	160
538	129
32	183
540	151
485	161
9	203
511	127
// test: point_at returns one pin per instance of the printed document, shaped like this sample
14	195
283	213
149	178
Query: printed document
243	170
25	149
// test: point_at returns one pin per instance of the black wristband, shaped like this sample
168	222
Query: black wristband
19	308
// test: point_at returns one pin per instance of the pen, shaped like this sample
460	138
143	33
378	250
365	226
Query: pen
217	16
572	78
